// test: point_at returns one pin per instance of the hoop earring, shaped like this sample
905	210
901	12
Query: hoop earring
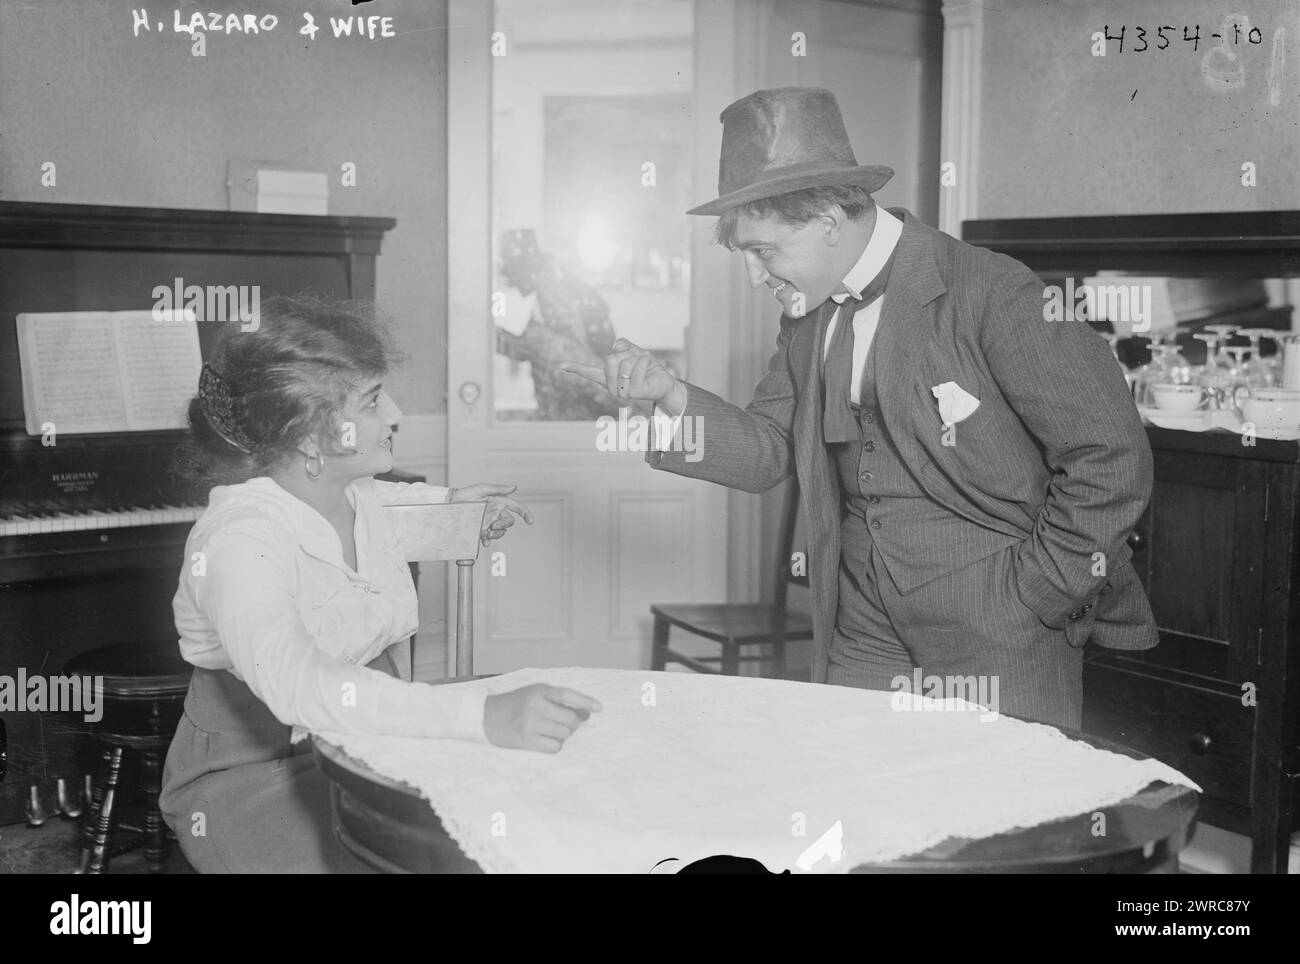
306	466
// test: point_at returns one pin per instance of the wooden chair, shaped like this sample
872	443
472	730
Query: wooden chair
737	626
445	532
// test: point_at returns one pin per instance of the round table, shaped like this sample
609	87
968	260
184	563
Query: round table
389	826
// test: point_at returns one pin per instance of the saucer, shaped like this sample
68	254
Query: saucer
1197	421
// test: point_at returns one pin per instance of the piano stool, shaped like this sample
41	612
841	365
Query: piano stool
144	695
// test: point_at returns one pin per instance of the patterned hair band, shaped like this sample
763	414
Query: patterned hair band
219	408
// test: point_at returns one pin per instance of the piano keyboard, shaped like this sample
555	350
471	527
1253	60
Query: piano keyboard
90	520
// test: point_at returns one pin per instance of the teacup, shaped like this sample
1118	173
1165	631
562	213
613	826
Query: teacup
1269	409
1178	398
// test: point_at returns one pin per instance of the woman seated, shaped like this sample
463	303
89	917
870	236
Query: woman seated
293	583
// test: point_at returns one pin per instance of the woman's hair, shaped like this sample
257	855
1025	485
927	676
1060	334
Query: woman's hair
266	389
796	207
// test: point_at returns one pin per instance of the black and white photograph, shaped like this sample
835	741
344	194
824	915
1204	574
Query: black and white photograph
638	437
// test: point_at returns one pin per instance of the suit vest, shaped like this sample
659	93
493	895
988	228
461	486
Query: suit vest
918	538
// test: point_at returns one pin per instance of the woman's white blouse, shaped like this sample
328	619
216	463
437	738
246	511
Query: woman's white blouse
265	594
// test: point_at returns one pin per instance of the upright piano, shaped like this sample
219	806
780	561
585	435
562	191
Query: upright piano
92	528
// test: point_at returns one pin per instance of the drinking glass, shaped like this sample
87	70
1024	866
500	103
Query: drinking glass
1238	372
1223	331
1176	364
1290	359
1264	372
1148	374
1216	374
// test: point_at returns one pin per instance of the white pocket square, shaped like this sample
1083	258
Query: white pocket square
955	403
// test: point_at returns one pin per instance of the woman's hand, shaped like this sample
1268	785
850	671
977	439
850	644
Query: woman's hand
537	717
497	518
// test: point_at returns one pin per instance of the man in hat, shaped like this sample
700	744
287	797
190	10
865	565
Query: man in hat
970	470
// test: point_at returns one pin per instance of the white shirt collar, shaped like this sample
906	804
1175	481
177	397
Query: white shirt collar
881	244
315	534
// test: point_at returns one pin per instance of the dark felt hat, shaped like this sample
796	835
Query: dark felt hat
786	139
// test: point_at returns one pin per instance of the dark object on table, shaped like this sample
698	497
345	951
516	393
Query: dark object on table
142	700
726	864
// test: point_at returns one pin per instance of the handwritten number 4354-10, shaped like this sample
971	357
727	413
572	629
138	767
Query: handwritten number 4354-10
1221	68
1238	29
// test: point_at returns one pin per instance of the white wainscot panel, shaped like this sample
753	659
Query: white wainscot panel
652	558
533	599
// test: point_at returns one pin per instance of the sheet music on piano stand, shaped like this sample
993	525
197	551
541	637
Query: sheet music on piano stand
107	371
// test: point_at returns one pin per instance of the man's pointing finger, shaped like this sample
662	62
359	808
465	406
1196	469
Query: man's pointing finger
595	373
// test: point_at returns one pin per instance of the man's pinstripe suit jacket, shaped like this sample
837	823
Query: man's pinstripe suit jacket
1055	454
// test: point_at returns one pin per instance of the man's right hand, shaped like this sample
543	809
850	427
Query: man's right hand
537	717
633	374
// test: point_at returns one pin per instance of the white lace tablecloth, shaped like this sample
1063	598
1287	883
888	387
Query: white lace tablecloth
688	766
